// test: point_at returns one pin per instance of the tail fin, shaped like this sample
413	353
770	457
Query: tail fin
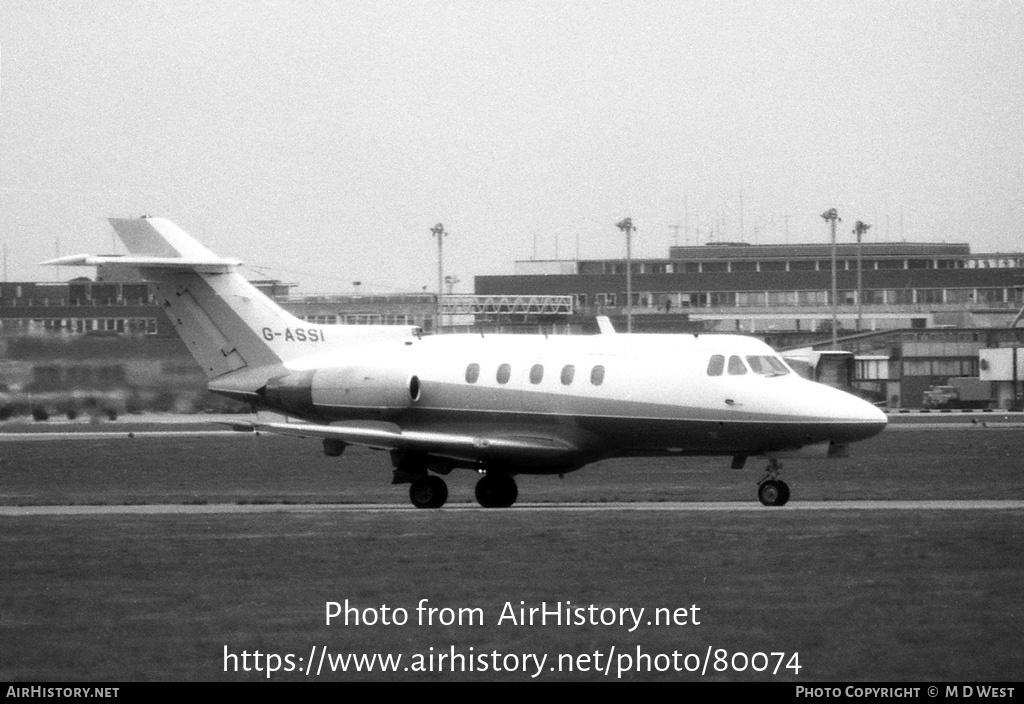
227	323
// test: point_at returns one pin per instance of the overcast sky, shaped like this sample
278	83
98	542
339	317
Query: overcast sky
320	141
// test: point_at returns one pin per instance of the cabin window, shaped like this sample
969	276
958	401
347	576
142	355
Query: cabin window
597	375
717	365
736	366
472	373
536	373
568	372
504	373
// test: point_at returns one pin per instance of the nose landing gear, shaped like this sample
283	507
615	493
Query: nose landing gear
772	491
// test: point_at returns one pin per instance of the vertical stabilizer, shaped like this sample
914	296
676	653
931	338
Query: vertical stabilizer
227	323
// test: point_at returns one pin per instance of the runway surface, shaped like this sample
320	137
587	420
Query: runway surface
665	506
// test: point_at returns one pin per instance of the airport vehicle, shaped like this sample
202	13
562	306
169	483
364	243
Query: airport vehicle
501	405
961	392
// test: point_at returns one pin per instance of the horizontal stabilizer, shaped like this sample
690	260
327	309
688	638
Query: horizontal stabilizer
206	265
388	436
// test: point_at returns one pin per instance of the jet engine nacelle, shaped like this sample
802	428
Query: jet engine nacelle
377	388
290	393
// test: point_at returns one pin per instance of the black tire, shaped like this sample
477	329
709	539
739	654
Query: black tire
496	491
428	492
773	493
784	497
334	448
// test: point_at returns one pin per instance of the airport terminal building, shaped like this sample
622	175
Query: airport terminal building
914	314
736	287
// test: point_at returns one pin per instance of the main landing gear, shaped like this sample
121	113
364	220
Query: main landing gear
492	491
772	491
428	491
496	491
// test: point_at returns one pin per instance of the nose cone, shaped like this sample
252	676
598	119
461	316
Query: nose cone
855	418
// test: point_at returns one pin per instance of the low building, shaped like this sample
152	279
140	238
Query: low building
1004	368
897	366
765	289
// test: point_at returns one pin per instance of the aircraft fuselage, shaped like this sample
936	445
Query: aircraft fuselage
592	397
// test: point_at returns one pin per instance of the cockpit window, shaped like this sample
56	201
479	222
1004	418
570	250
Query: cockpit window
736	366
716	366
767	365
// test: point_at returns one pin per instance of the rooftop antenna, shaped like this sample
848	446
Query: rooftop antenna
785	219
675	234
741	216
686	218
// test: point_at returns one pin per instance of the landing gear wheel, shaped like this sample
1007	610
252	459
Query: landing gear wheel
773	492
428	492
496	491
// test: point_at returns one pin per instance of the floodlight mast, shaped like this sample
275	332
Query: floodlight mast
450	280
626	226
438	231
859	229
831	216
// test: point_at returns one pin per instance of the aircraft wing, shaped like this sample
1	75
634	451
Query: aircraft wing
464	446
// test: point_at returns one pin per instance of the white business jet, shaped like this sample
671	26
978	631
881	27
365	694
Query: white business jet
501	405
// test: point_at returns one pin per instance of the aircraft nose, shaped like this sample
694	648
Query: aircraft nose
861	420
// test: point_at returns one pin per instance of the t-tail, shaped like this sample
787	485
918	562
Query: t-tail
232	329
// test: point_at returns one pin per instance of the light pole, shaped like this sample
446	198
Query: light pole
831	216
450	280
438	231
627	227
859	229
